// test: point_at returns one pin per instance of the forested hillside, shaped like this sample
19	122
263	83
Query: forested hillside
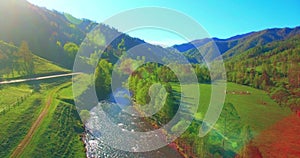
236	44
46	32
273	67
52	35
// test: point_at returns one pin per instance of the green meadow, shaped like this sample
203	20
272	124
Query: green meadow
59	135
254	106
60	132
21	102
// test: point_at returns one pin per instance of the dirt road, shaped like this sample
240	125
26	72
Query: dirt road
22	145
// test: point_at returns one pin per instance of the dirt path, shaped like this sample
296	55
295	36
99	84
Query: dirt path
26	140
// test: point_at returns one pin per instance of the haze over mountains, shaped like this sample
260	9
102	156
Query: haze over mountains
46	33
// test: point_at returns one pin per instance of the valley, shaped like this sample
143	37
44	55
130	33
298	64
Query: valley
56	71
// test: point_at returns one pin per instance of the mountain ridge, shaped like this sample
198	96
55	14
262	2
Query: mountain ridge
237	44
46	33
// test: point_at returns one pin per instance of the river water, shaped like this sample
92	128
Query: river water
95	146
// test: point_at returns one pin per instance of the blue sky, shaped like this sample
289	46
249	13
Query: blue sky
220	18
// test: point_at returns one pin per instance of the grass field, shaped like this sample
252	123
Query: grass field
43	66
34	94
11	95
256	108
59	134
13	126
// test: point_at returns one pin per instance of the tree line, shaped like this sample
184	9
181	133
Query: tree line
230	136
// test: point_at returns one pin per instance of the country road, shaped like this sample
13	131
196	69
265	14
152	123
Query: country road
39	78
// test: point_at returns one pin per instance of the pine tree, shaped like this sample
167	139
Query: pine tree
294	74
256	81
229	123
247	136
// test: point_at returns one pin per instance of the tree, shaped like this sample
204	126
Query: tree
3	63
265	80
103	79
267	68
284	68
256	81
133	81
251	76
85	116
229	124
71	48
247	136
249	151
280	95
240	77
27	64
121	47
294	74
202	73
142	96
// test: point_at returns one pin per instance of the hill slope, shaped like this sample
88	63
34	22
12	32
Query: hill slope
9	63
47	32
273	67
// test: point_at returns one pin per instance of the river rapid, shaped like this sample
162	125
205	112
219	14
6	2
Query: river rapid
96	148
